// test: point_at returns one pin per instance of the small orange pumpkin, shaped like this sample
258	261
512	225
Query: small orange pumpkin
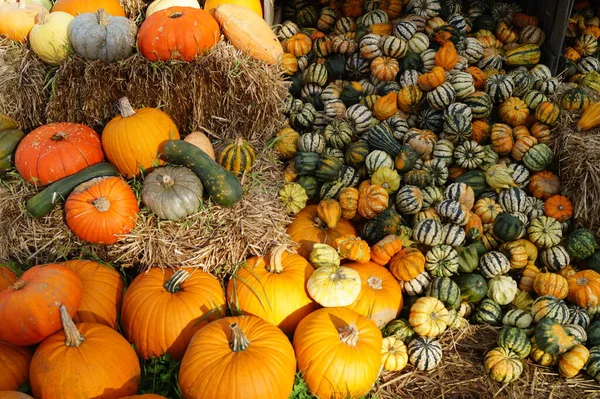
478	77
513	111
348	201
572	54
521	146
298	45
386	106
480	131
447	56
522	20
502	138
330	212
559	207
544	184
409	99
407	264
541	132
385	249
584	288
551	284
530	272
431	80
385	68
373	199
353	248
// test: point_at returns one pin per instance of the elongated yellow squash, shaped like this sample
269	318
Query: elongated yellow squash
254	5
590	118
249	33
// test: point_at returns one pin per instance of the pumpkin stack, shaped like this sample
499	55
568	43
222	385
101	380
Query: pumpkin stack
428	124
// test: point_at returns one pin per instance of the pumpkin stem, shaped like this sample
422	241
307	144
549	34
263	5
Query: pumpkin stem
125	107
59	136
103	17
176	14
349	334
101	204
22	4
375	282
275	265
42	16
18	285
173	284
318	223
167	181
239	340
72	334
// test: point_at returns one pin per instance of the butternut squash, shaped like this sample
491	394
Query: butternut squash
590	118
254	5
249	33
201	141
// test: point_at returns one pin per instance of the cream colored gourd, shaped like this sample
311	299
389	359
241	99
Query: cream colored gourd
333	286
16	20
201	141
158	5
249	33
49	38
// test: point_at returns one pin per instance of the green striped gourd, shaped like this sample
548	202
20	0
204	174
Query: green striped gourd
494	264
580	244
441	261
409	200
425	353
446	290
555	258
524	55
499	87
428	232
238	157
488	312
514	339
518	318
454	211
548	306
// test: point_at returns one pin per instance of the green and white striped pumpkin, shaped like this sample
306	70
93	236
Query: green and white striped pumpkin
428	232
545	232
349	176
533	98
463	85
538	157
444	151
499	87
398	126
331	189
378	159
579	316
438	170
315	73
428	60
473	50
520	174
513	200
480	103
395	47
418	43
522	80
588	64
442	96
380	138
546	85
446	291
417	285
360	118
441	260
409	77
469	155
311	142
494	264
548	306
454	211
425	353
409	200
514	339
555	258
488	312
338	134
404	29
518	318
370	46
431	119
432	196
453	235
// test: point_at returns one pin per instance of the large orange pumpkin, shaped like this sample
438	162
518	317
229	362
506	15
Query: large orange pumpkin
29	309
14	363
90	359
338	352
17	19
14	395
180	33
54	151
133	140
273	288
380	297
101	209
238	357
102	292
307	230
584	288
162	309
76	7
144	396
7	277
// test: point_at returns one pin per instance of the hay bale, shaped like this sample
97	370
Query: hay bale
224	92
135	9
23	93
215	239
461	374
578	158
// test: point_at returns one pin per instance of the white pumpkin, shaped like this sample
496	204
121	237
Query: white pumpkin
333	286
158	5
502	289
44	3
49	38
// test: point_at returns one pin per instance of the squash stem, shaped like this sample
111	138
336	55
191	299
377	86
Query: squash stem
275	265
22	4
349	334
42	16
173	284
167	181
375	282
125	107
239	340
103	17
101	204
72	335
59	136
18	285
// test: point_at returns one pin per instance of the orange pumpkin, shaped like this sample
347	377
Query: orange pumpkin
567	271
373	199
17	19
88	358
530	272
354	339
353	248
101	209
289	64
478	77
273	288
298	45
102	292
386	106
76	7
481	131
506	34
558	207
57	150
447	56
521	131
133	140
551	284
474	226
513	111
28	309
522	20
548	113
14	363
7	277
430	80
572	54
385	68
407	264
380	297
541	132
544	184
487	209
502	138
162	309
307	230
409	99
521	146
348	200
385	249
330	212
584	288
353	8
248	357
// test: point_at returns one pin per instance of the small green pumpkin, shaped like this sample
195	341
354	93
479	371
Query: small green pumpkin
514	339
238	157
550	307
468	258
508	227
446	291
473	287
552	337
580	244
400	329
488	312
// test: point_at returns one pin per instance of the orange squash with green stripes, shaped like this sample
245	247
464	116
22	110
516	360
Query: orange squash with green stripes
238	157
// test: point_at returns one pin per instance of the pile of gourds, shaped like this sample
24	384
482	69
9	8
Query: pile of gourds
417	147
66	162
171	29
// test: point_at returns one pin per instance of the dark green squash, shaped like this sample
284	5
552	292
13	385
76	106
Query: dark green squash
580	244
507	227
307	163
411	61
475	179
400	329
516	340
356	153
405	159
593	333
310	185
43	202
486	22
468	258
593	261
336	67
446	290
488	312
417	177
9	139
331	189
473	287
329	169
222	186
380	138
552	337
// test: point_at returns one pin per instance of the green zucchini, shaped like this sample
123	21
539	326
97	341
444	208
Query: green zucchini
222	186
43	202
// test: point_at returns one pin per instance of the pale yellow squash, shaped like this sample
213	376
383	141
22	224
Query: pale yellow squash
249	33
49	38
201	141
333	286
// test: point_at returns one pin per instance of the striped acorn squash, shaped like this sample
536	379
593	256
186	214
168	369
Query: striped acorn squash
542	358
518	318
480	103
473	287
331	189
548	306
579	316
593	333
417	285
329	169
507	227
424	353
357	153
514	339
428	232
488	312
555	258
417	177
552	337
377	159
445	290
306	163
524	55
380	138
493	264
441	261
310	185
545	232
499	87
238	157
503	365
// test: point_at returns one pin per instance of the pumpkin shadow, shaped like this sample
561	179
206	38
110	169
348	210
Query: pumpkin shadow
178	347
130	387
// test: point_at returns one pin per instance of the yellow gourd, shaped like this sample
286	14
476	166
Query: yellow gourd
590	118
254	5
49	38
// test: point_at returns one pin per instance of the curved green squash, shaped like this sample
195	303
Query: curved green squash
473	287
43	202
222	186
9	139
